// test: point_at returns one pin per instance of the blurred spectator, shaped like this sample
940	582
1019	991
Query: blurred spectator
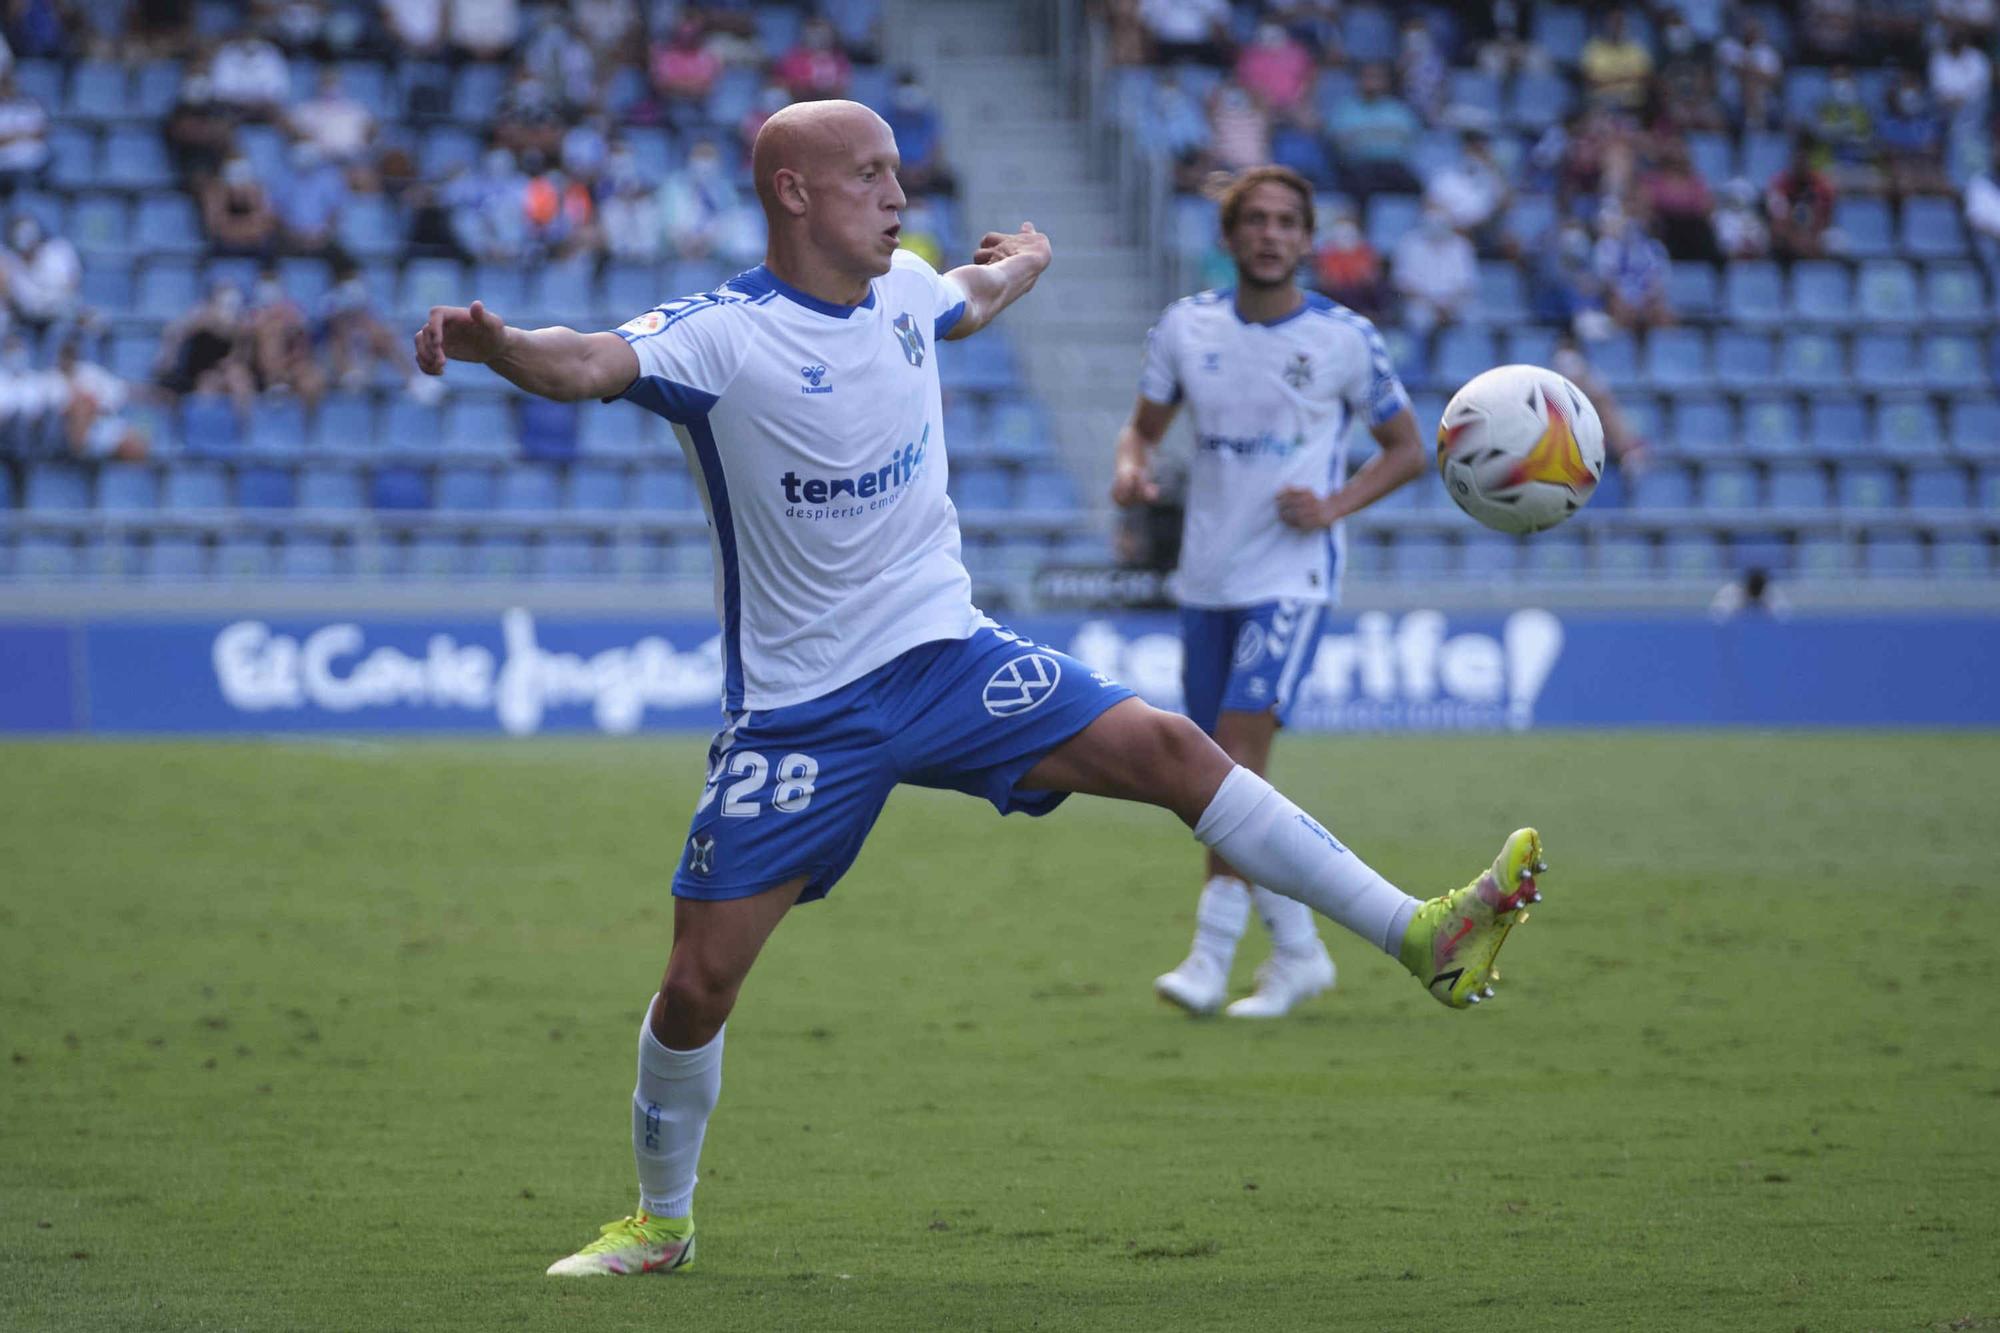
1277	69
1632	272
1846	129
1678	201
311	201
487	213
1346	267
356	341
281	350
1625	445
1753	69
1740	229
40	275
913	118
1829	29
1961	84
1799	203
431	234
485	29
24	134
1684	91
37	29
1751	596
608	25
1420	66
417	25
199	131
1435	272
208	349
1564	288
921	234
1616	66
562	60
249	74
1175	123
630	220
1302	149
26	398
338	125
1598	157
684	69
816	66
562	217
1472	191
1978	18
529	116
1196	30
1374	135
704	210
236	210
1912	139
1239	131
1499	34
90	399
771	99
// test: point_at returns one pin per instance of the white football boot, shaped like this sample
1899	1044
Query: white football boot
1197	985
1283	981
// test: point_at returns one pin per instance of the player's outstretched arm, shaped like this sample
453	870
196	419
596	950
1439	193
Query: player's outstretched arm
1401	460
1003	269
1132	471
554	363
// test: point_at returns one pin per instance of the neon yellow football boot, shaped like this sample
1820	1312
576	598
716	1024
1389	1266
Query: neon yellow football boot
1453	939
640	1244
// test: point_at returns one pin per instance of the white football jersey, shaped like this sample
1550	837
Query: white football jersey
1270	405
816	437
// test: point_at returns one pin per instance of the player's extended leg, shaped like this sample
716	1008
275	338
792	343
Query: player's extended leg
1135	752
680	1078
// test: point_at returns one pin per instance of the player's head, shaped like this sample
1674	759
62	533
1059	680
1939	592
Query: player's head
1267	224
826	175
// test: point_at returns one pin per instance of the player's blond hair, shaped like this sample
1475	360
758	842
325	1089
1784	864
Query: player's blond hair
1237	192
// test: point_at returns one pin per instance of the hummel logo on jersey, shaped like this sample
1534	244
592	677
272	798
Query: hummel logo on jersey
912	338
1021	684
813	375
1211	360
1300	372
904	464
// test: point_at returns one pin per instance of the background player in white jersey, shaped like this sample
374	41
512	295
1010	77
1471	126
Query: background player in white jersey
1273	377
805	394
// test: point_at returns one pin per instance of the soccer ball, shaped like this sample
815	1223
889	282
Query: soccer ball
1520	448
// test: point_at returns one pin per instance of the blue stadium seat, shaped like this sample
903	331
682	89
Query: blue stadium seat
1811	361
475	95
136	159
1554	555
1931	229
1799	486
344	423
464	488
483	426
73	157
168	224
1368	33
126	488
406	424
278	425
242	556
132	355
195	486
1728	486
330	488
368	227
1046	487
594	486
1616	358
400	488
307	555
445	149
1770	552
1539	99
1753	292
1645	414
1714	157
167	289
1907	425
662	487
1887	556
503	287
1821	557
1488	556
429	282
1986	486
100	224
733	95
1744	360
433	555
982	489
547	429
1691	555
1822	292
41	80
1837	424
530	487
1464	351
1885	361
1704	425
499	556
107	285
1417	556
173	557
1765	153
1625	557
1018	430
1887	292
50	557
567	557
265	488
1772	426
553	289
1864	226
1966	557
1804	89
1692	290
1677	358
1529	345
155	88
208	424
1529	219
1503	298
1389	217
1663	486
1474	97
1861	485
1955	294
1955	362
1939	486
1975	426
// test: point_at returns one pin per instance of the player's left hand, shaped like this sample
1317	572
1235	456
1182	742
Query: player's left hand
995	246
1307	510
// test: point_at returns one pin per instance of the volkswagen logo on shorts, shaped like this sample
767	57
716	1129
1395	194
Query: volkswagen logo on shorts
1249	644
1021	684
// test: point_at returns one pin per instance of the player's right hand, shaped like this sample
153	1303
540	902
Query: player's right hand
459	333
1132	484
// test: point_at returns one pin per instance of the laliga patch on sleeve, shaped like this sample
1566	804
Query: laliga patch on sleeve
650	322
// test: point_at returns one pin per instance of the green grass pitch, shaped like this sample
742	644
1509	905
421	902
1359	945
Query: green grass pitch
339	1036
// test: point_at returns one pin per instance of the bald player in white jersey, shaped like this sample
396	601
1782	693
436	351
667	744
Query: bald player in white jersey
805	395
1274	378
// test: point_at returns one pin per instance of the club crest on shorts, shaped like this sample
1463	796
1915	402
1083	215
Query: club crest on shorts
912	338
1021	685
1249	644
701	854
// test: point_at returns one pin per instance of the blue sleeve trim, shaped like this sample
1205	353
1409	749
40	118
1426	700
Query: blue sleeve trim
709	458
947	322
679	403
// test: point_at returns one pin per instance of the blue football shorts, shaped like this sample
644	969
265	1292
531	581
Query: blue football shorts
793	791
1246	659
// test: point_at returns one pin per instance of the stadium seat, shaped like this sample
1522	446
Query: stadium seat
46	557
306	555
1644	414
156	86
1528	345
1420	557
1663	486
434	555
368	227
167	289
1764	154
1907	425
1714	157
499	556
1728	486
171	557
1865	486
330	488
566	557
1931	229
1801	486
483	426
1962	557
1390	216
1975	426
1822	293
1744	360
168	224
100	225
107	285
1753	292
1889	556
594	486
1810	361
1954	362
1886	292
1503	298
278	425
1529	220
265	487
242	556
1676	359
1368	33
429	282
73	157
1955	294
1692	290
465	488
445	149
41	80
1822	557
126	488
1046	488
400	488
1885	361
548	429
195	486
1691	555
981	489
208	424
1704	426
1864	227
406	424
1986	487
529	487
1624	557
1473	97
1464	351
1938	486
1560	554
132	354
1539	99
344	423
136	159
503	287
1616	358
662	487
1771	425
1488	556
1836	425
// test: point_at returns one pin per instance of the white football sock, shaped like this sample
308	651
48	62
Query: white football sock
1254	828
1219	919
670	1108
1289	921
